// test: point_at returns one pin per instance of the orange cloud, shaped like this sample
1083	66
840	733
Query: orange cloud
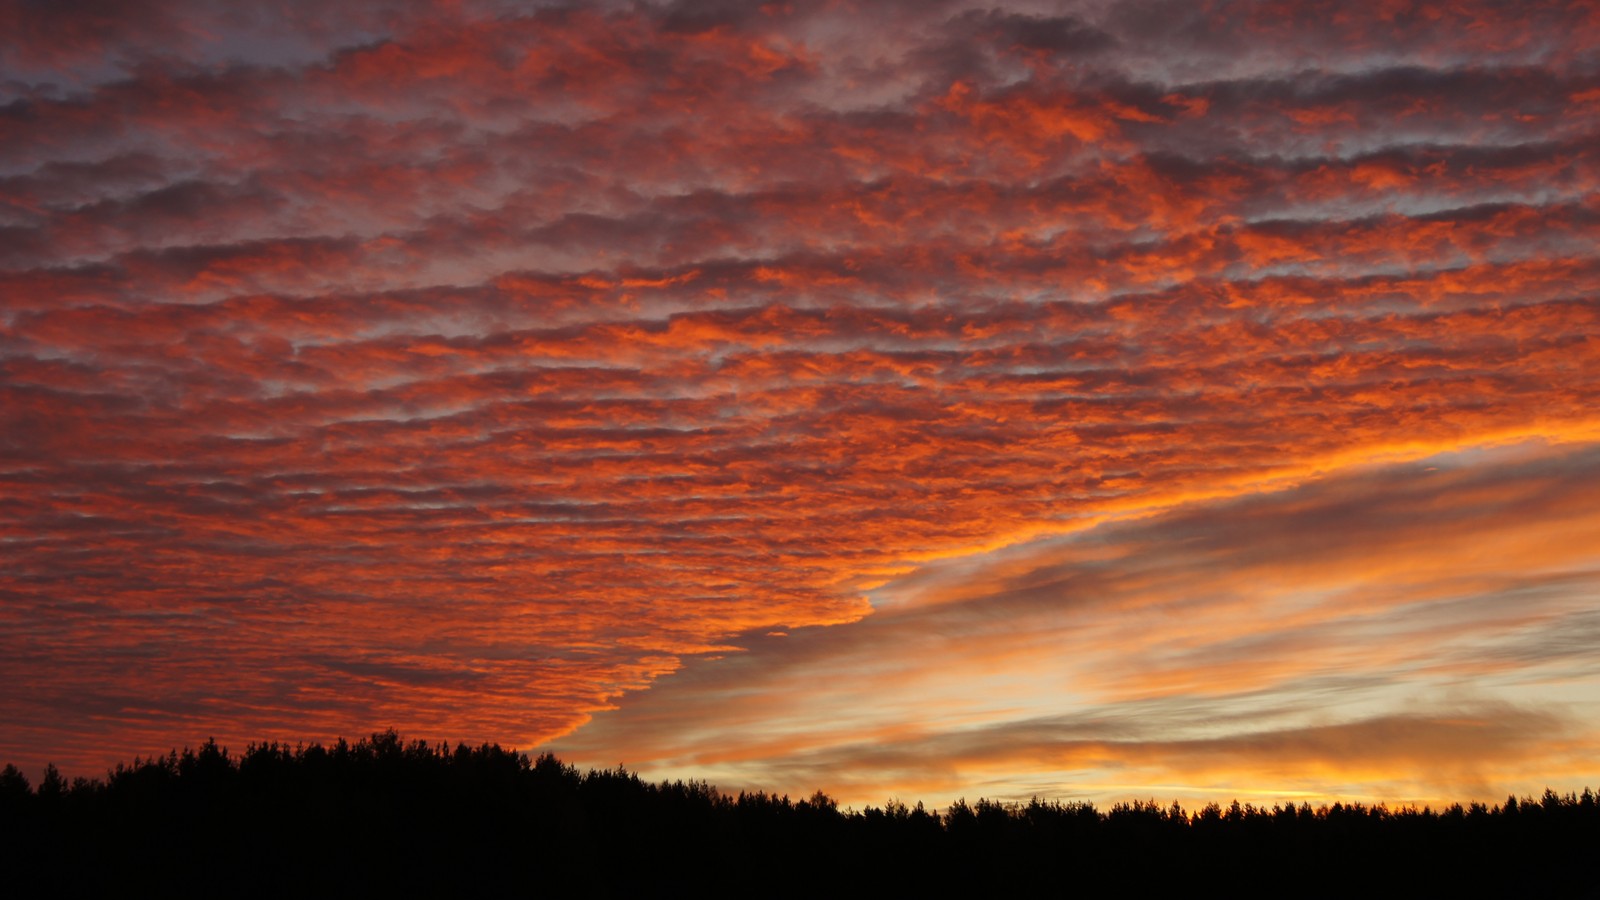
463	371
1225	648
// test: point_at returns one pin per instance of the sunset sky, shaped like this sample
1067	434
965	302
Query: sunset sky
1091	400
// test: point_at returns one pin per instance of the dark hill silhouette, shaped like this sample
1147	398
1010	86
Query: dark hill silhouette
384	816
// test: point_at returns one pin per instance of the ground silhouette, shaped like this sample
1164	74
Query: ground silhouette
387	816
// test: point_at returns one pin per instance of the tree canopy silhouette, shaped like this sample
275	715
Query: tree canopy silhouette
383	815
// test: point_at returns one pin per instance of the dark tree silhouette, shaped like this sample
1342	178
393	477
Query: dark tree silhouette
383	816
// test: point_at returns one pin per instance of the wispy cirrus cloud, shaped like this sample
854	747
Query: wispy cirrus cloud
1407	632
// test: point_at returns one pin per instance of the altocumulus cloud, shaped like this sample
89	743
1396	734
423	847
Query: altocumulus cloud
466	368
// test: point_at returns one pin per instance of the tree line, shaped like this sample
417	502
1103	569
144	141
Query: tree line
383	815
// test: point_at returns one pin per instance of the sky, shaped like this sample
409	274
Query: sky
918	400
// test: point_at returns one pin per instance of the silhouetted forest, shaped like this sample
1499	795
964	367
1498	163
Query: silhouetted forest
386	816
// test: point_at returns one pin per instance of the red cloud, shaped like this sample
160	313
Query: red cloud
454	371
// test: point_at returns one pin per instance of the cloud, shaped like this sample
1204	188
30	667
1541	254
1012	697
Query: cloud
466	367
1375	632
1399	758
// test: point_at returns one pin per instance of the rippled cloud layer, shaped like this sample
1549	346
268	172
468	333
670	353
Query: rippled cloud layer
466	368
